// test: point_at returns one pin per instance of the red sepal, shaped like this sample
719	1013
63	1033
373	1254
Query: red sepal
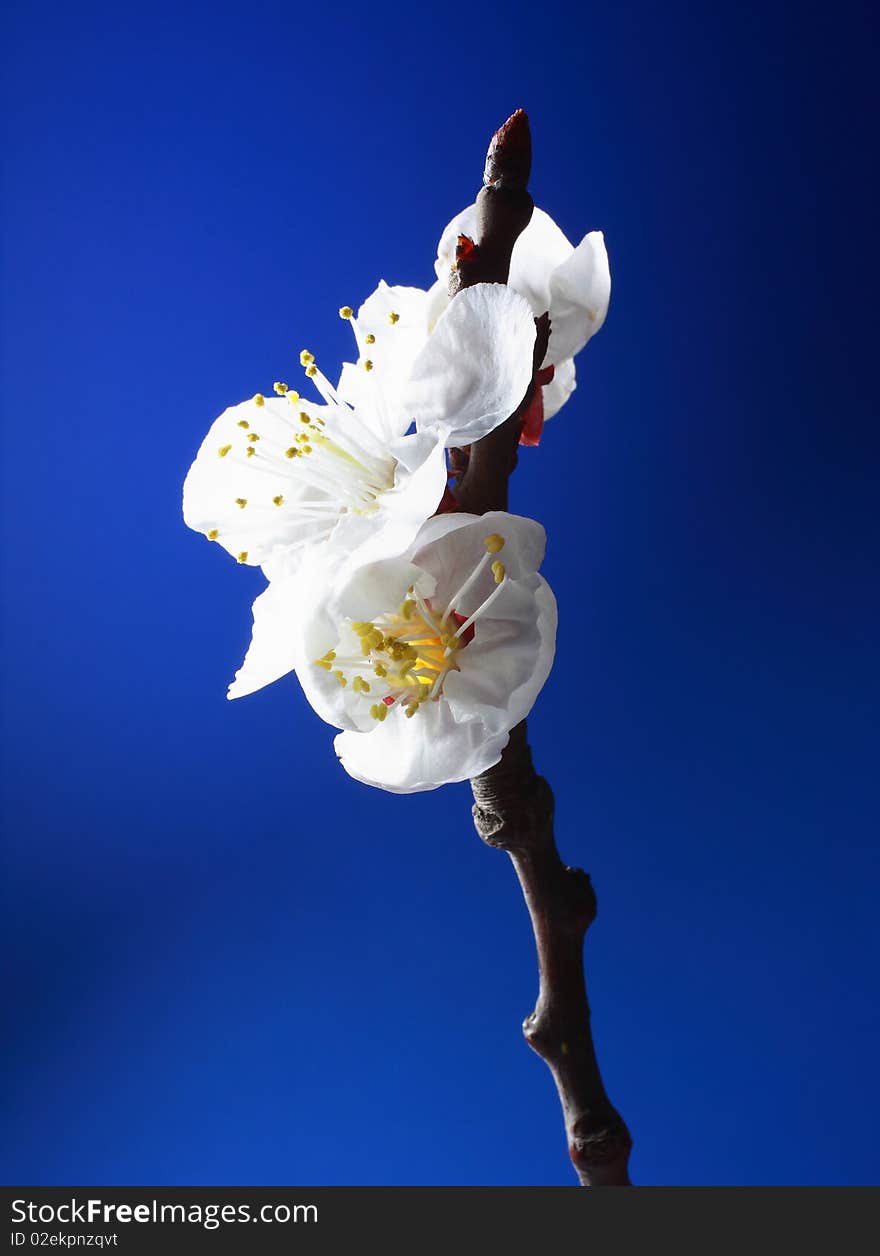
533	419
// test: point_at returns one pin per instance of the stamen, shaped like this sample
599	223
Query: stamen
223	451
481	610
280	388
346	311
259	399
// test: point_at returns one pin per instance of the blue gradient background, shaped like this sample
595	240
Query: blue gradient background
229	962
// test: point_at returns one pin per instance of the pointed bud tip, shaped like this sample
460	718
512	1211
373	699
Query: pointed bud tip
509	158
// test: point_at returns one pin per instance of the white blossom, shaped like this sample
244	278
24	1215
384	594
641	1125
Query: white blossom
572	284
426	657
277	475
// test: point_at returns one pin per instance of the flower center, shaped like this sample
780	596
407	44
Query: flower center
402	658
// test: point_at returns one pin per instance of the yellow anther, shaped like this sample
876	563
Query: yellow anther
259	399
311	371
292	397
212	535
368	365
305	358
243	423
252	436
345	311
280	387
291	453
393	318
304	418
307	449
360	627
406	609
340	676
411	710
278	501
242	557
379	711
498	572
370	338
359	685
494	543
241	502
327	661
223	451
381	670
250	451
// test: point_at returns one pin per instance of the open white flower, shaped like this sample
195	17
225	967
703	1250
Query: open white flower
572	284
426	658
277	475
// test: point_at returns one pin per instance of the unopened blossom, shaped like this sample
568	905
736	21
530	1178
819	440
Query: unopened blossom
572	284
425	658
278	474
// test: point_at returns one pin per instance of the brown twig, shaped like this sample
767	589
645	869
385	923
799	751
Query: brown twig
513	806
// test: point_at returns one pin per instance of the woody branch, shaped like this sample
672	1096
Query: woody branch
513	806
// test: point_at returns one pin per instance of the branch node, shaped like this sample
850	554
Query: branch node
598	1148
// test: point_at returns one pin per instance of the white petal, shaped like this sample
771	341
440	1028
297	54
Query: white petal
560	388
334	598
259	503
438	300
540	249
272	652
223	476
450	545
397	321
476	366
498	661
580	290
407	756
464	223
419	482
573	285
